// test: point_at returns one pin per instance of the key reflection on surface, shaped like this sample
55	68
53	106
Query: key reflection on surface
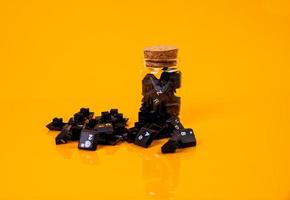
160	173
88	157
65	150
70	150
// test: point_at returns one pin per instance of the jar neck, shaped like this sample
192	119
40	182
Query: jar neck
156	70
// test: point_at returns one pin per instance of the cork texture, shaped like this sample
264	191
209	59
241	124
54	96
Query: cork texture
150	63
160	53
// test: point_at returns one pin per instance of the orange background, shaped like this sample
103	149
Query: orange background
57	56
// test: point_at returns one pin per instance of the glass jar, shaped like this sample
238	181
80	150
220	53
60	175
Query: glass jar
161	79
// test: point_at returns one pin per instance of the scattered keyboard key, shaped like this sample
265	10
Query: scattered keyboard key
185	137
175	123
64	136
88	140
56	125
144	137
170	146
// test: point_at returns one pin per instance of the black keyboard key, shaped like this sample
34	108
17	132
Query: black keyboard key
104	128
64	136
175	123
85	112
165	132
113	111
106	117
131	134
170	146
144	137
92	123
185	137
56	125
171	79
79	118
88	140
173	106
148	83
76	132
106	133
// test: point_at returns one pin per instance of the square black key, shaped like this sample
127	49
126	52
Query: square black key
173	107
79	118
104	128
119	117
64	136
144	137
85	112
76	132
113	111
91	123
165	132
170	146
143	117
154	126
105	132
138	125
114	139
131	134
106	117
56	125
185	137
148	83
88	140
119	128
175	123
171	78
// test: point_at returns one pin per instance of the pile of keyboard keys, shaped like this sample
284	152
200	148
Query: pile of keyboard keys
158	115
110	128
157	119
107	129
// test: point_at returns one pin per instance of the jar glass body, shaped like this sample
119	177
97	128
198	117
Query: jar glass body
159	86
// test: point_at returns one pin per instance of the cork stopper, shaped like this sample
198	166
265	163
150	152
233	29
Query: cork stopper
160	56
